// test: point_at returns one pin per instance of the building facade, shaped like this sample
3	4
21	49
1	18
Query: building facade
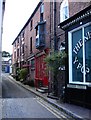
41	35
77	39
31	45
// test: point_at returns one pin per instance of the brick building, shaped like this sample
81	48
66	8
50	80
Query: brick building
32	43
41	34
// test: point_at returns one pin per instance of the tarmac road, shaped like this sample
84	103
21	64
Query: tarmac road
17	103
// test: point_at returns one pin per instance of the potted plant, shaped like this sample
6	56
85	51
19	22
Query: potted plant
55	63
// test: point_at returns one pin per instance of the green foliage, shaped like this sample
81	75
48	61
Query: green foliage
55	61
5	54
23	73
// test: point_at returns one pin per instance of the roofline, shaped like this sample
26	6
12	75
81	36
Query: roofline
64	23
28	20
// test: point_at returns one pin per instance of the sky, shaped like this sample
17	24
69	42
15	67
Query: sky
16	15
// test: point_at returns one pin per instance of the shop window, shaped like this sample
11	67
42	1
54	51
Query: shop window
80	55
64	10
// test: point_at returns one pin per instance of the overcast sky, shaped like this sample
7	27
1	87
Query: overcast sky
16	15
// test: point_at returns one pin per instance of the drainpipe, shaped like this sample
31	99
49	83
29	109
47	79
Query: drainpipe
55	26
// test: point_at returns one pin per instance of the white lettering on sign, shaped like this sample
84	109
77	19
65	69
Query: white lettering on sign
78	46
80	66
76	49
89	35
80	43
76	60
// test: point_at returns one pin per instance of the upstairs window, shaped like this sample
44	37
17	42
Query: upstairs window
22	35
64	10
17	52
23	48
31	45
37	31
18	40
41	12
40	35
31	24
42	8
15	44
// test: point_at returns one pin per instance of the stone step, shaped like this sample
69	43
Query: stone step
44	88
40	90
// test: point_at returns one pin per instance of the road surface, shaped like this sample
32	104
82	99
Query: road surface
18	102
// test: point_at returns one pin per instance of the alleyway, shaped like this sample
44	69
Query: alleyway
20	103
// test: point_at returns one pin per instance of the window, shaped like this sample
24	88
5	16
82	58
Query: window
40	32
41	12
15	55
37	30
41	17
42	8
31	45
17	52
23	48
80	55
15	44
23	34
18	40
64	10
31	24
32	63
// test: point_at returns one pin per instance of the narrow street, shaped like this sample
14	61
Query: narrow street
17	102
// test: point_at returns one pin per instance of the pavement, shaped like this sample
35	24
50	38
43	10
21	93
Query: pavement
75	111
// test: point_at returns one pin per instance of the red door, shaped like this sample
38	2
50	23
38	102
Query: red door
41	78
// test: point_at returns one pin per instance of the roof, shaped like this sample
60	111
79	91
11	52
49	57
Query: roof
28	20
85	13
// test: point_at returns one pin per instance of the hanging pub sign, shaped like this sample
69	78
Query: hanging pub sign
80	55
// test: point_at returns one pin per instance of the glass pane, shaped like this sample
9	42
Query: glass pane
32	63
77	56
87	34
65	12
42	8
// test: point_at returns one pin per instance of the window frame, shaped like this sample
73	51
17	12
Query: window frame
63	5
70	55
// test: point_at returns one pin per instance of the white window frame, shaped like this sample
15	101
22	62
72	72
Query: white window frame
70	55
62	12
